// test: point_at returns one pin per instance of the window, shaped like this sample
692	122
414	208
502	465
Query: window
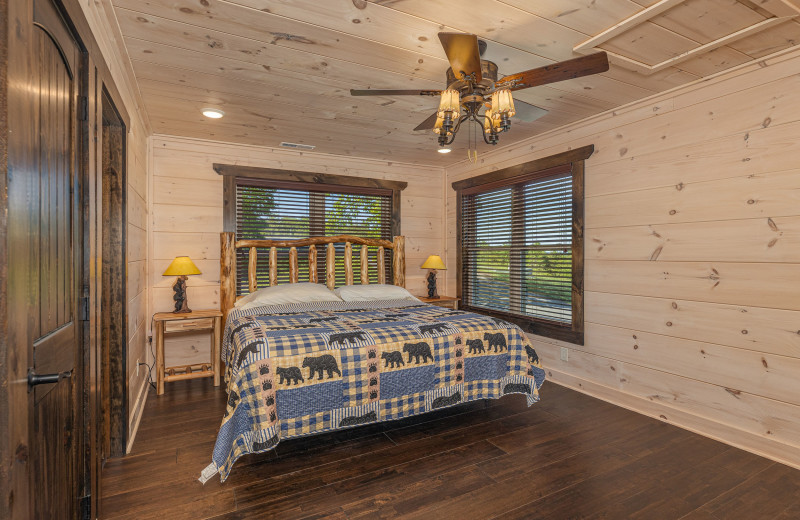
520	233
258	206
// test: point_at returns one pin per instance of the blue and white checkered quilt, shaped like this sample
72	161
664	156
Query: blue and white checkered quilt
300	369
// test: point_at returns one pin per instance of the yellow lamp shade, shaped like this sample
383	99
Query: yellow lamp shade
502	103
449	103
433	262
181	266
490	124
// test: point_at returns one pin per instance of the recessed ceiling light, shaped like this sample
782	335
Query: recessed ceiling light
213	113
444	150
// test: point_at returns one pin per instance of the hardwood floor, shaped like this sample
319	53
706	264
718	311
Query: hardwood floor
569	456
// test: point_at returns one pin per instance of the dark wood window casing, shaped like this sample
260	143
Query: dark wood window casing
304	204
520	244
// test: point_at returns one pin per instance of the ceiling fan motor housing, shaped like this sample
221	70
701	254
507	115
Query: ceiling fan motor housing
488	73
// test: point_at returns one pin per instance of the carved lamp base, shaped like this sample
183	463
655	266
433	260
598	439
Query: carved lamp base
432	293
180	296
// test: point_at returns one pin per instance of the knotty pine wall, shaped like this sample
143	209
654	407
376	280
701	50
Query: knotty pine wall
692	281
186	213
103	26
137	276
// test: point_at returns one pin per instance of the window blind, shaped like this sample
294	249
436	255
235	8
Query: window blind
517	247
292	210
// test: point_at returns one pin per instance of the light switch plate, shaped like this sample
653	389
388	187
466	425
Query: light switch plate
564	354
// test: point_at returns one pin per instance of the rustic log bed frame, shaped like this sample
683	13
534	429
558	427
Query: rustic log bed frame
229	245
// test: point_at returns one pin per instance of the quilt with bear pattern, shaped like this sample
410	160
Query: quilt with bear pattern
300	369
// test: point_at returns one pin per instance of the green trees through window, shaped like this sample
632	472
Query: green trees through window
264	212
517	247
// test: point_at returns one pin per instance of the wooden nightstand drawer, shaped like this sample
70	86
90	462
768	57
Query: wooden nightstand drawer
188	325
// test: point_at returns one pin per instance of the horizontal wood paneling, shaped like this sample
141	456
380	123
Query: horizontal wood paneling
747	370
196	246
697	423
754	240
765	419
692	258
772	331
773	286
187	215
752	196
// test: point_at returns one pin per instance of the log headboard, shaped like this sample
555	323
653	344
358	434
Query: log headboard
229	245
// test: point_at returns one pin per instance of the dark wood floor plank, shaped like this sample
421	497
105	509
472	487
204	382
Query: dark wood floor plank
768	494
602	493
414	479
699	514
511	405
496	498
541	447
179	499
131	473
391	503
689	489
568	456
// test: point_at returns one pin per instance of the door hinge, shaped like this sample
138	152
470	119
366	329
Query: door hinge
83	108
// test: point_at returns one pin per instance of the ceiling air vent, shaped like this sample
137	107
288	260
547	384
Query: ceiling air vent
297	146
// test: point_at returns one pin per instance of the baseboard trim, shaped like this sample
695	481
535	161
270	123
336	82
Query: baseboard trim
138	408
773	450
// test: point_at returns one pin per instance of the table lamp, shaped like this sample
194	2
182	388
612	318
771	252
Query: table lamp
181	267
433	263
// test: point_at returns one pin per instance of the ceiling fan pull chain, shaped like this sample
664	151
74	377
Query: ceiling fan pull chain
472	149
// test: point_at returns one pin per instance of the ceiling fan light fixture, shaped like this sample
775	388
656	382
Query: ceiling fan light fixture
472	81
213	113
449	103
502	104
444	150
490	124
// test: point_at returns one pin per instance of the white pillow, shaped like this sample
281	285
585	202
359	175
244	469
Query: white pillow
363	293
304	292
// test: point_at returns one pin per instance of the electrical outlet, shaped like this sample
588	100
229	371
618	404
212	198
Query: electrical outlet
564	354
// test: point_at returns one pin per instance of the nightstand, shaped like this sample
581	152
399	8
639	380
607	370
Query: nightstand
195	321
441	301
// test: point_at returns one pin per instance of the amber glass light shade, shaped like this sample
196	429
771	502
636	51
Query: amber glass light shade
450	103
490	123
433	262
502	103
181	266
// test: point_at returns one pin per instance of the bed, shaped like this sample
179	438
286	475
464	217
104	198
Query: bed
297	369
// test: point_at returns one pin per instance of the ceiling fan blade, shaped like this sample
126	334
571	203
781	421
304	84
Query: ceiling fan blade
378	92
463	53
526	112
429	123
569	69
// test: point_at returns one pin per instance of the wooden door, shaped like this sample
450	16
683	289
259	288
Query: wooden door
55	411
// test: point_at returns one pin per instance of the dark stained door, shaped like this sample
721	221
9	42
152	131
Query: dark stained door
55	415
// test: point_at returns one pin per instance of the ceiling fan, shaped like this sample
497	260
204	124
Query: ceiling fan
472	85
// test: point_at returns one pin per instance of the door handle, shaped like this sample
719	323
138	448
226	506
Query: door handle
35	379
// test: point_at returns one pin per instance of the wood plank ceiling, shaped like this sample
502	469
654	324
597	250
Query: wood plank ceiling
281	70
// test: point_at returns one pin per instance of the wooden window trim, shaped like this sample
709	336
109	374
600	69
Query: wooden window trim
291	179
531	170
